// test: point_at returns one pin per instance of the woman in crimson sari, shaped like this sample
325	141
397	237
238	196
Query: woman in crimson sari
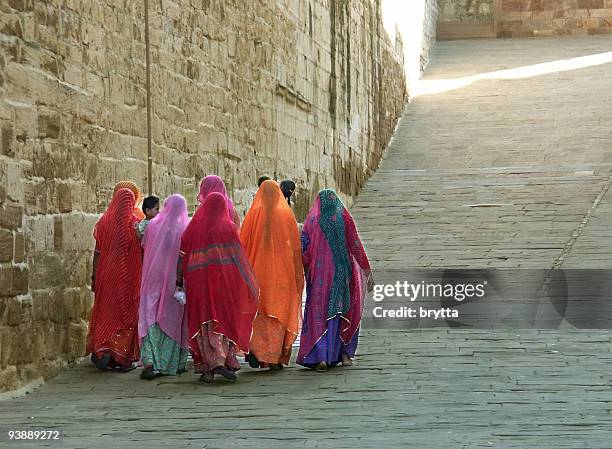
271	240
337	275
113	329
220	289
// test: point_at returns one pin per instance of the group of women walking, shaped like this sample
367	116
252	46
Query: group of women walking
219	289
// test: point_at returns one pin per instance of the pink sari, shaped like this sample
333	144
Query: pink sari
213	183
161	243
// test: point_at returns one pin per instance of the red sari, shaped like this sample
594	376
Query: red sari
113	328
219	285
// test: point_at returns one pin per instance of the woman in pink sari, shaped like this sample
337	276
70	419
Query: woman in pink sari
213	183
337	271
162	326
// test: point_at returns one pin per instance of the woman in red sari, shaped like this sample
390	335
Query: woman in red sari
115	281
220	289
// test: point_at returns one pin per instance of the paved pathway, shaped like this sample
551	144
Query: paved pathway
498	173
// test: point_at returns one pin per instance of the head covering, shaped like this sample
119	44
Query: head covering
219	282
117	287
138	197
161	245
287	187
213	183
336	267
270	238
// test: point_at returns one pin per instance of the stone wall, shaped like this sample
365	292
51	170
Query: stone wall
305	89
430	21
526	18
465	10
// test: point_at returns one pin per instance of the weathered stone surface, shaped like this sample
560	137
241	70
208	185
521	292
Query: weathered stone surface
6	246
527	18
19	249
511	143
466	10
430	19
305	90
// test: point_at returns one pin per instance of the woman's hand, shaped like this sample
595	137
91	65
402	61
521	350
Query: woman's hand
179	295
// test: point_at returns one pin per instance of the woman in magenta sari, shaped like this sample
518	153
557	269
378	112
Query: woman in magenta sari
162	327
220	288
213	183
337	271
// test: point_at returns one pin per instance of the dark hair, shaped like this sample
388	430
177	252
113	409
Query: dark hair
261	180
149	203
287	187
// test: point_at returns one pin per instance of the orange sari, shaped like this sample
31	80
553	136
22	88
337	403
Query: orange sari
270	237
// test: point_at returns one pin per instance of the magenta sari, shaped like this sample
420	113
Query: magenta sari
213	183
161	243
336	268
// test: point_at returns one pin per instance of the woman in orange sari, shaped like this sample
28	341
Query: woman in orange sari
270	237
117	266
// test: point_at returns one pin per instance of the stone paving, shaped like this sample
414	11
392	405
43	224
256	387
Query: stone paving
506	173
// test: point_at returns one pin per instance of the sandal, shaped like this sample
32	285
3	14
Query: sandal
251	360
125	369
276	366
147	373
229	375
208	377
101	363
321	367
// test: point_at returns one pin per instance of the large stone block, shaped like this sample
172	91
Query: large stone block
590	4
47	270
77	338
6	140
39	231
7	243
19	248
11	180
48	124
13	280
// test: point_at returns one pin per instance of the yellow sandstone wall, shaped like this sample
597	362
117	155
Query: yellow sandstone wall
459	19
309	90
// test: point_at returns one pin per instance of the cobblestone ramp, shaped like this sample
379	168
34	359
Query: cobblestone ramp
497	173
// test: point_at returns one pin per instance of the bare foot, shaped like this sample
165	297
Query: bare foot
321	367
346	360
